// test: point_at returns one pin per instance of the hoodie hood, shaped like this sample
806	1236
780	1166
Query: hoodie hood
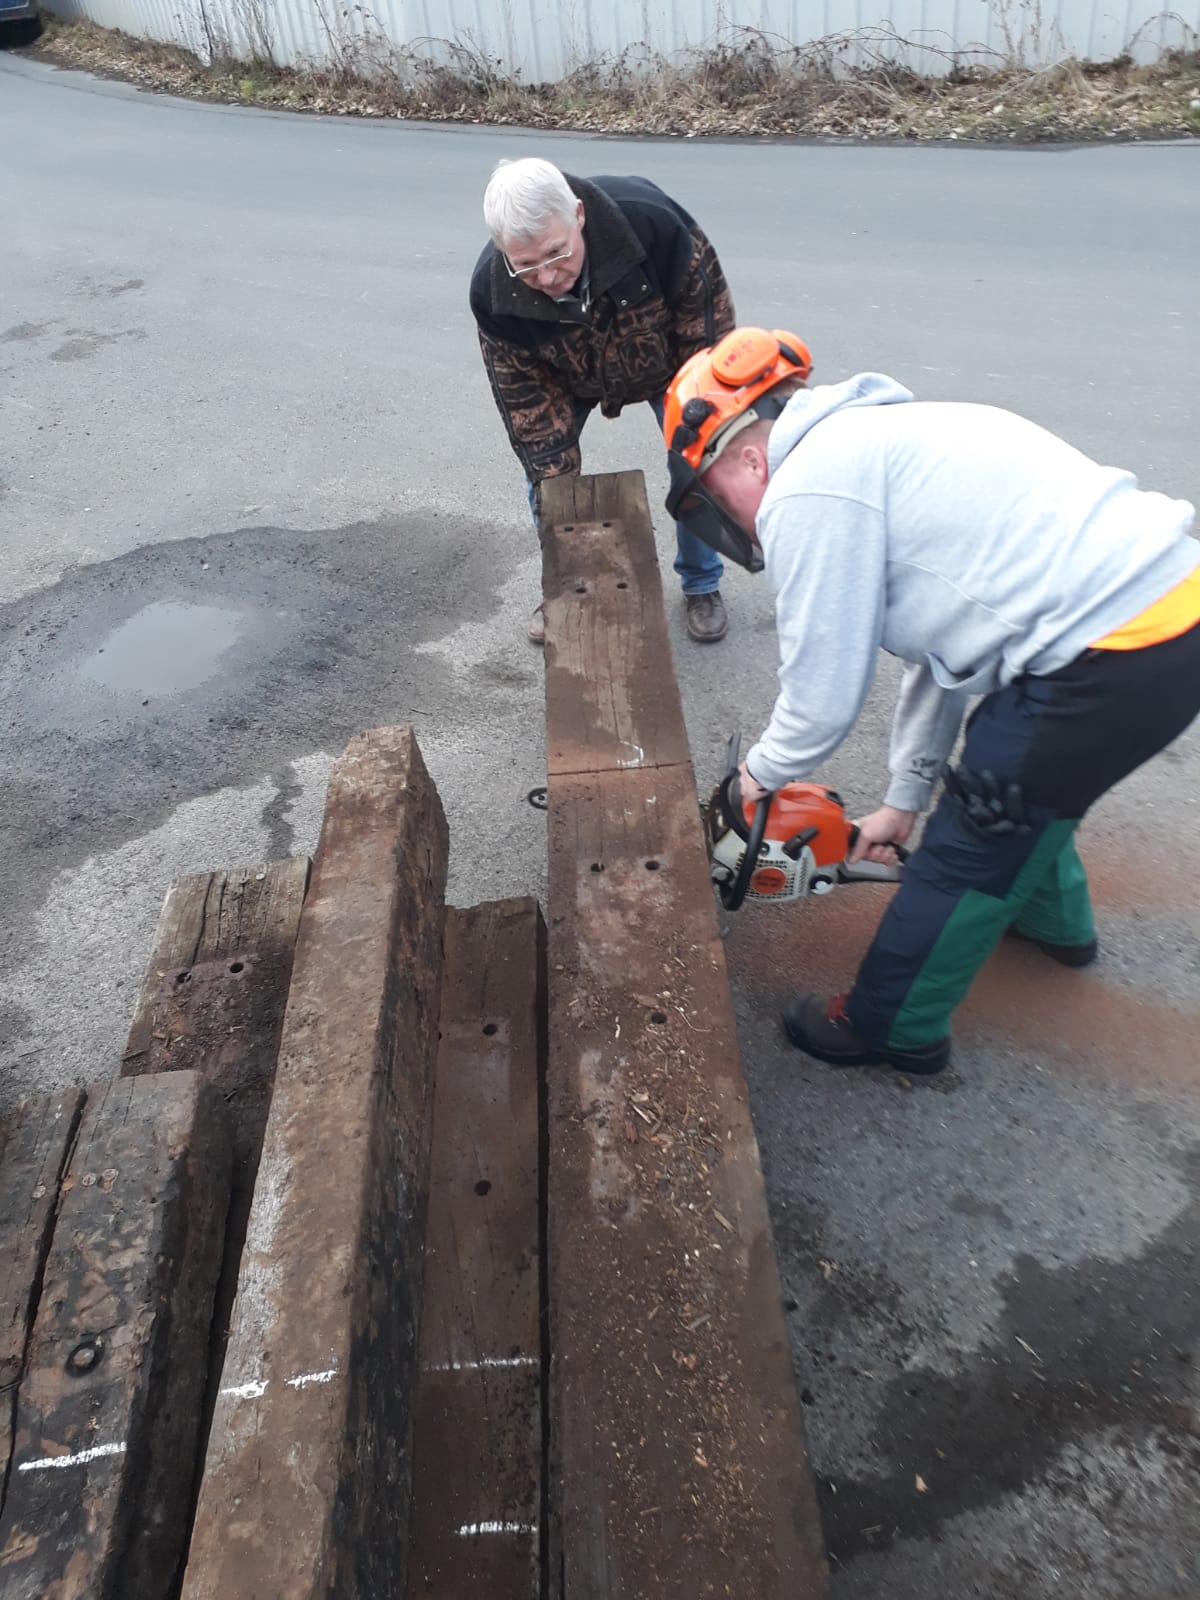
807	407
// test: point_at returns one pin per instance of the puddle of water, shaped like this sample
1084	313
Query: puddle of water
164	649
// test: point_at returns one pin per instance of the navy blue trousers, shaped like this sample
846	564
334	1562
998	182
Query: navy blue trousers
1065	739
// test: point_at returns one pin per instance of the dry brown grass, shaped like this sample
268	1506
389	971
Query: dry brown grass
848	87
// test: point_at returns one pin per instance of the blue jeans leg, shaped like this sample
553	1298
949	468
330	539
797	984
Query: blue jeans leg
700	568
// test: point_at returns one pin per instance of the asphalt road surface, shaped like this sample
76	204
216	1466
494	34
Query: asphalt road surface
254	496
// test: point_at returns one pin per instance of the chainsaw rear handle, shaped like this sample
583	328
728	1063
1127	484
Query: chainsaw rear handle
902	853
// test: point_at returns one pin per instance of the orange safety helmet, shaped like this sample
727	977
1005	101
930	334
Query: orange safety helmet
714	395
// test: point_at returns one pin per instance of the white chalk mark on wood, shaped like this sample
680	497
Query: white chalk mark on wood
484	1361
470	1529
79	1459
305	1378
247	1391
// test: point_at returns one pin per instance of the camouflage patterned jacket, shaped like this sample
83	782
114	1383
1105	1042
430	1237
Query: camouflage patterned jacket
657	295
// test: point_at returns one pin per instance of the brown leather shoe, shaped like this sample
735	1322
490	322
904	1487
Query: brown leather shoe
707	619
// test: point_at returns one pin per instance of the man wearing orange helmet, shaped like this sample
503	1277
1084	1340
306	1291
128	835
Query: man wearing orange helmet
591	293
995	560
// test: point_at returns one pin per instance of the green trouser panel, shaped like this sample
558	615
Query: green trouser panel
1060	909
1057	893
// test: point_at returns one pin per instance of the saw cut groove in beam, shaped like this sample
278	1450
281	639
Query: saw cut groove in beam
678	1465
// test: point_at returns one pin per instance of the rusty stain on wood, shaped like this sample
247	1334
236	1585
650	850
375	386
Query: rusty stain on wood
306	1480
679	1466
108	1407
478	1423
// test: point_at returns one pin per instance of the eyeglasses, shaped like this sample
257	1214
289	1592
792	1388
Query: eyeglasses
522	272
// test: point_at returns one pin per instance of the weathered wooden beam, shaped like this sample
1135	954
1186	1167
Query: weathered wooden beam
34	1148
477	1441
212	997
306	1481
678	1461
212	1001
612	703
108	1406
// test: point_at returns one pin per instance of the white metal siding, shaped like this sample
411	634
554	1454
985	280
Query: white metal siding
545	39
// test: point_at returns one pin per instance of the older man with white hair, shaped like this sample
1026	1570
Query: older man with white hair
593	292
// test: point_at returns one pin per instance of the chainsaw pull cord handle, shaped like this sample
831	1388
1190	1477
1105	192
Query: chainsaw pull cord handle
734	893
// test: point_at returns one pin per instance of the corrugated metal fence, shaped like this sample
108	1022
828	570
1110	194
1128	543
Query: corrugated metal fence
544	40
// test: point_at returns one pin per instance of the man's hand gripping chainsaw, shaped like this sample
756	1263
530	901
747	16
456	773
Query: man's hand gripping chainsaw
789	844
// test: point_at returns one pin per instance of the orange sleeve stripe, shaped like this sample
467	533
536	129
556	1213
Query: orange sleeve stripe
1175	613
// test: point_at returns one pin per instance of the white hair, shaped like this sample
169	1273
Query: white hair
524	197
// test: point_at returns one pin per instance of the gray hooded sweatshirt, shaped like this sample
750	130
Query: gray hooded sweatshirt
967	541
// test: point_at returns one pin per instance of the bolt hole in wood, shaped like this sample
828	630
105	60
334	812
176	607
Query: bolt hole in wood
84	1357
182	977
597	866
483	1187
489	1029
237	966
652	866
621	584
658	1017
581	588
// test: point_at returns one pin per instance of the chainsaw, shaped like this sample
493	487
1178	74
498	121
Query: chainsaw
787	845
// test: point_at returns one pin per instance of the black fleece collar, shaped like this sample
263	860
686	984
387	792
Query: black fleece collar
613	249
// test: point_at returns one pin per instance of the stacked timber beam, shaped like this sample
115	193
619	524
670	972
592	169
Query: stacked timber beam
507	1319
212	1001
119	1204
307	1476
678	1465
112	1212
478	1440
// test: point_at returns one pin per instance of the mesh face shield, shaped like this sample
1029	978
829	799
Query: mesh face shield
689	502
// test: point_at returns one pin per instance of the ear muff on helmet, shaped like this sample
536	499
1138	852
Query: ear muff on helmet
715	394
715	387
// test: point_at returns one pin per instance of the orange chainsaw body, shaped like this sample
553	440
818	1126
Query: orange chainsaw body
798	806
807	839
800	836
